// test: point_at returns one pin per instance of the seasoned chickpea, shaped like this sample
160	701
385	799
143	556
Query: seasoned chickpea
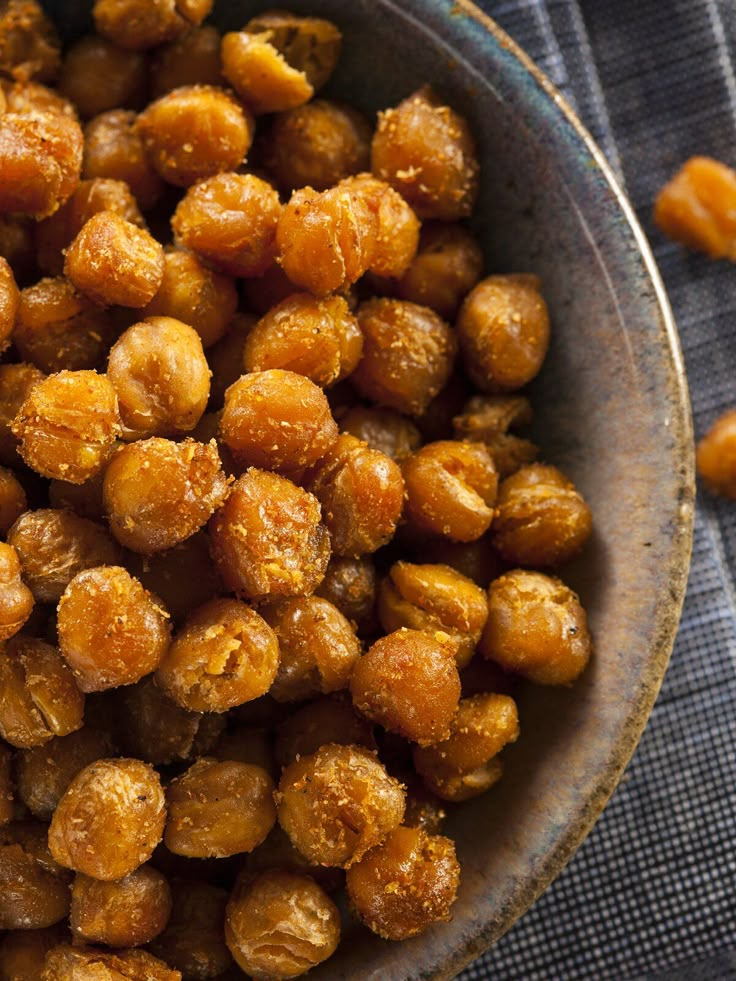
351	585
40	698
230	221
696	207
35	97
318	648
9	303
161	377
96	75
29	45
362	492
716	456
113	149
280	924
154	728
140	24
72	963
13	500
268	539
34	891
226	357
317	145
337	803
16	599
111	631
395	237
541	519
319	338
16	382
193	941
126	913
110	819
183	577
23	952
426	151
488	418
405	884
218	809
503	328
536	627
325	720
224	655
382	429
465	764
83	499
193	59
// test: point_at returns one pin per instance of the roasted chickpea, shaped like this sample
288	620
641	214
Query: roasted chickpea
536	627
503	329
541	519
35	97
161	377
325	720
226	357
9	303
405	884
29	45
96	75
260	75
70	963
34	891
716	456
268	539
13	500
230	221
183	577
351	585
111	631
23	952
16	599
113	149
303	334
382	429
125	913
488	418
16	382
224	655
193	59
395	237
140	24
193	941
318	648
696	207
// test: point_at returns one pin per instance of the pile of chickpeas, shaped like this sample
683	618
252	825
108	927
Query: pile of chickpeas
273	530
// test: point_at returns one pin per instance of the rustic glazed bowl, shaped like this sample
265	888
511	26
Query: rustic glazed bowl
613	412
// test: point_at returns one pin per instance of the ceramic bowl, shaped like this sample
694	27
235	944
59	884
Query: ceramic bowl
612	411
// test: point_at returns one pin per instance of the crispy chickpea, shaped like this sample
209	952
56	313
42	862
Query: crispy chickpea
260	74
541	519
395	237
13	500
83	499
35	97
431	598
16	382
68	424
448	264
318	648
229	221
465	765
488	418
161	377
183	577
155	728
280	924
277	420
193	941
405	884
536	627
112	261
218	809
71	963
382	429
337	803
111	631
34	891
193	59
268	539
408	355
110	819
40	698
45	772
97	75
362	493
16	599
696	207
54	546
426	151
325	720
113	149
226	357
716	456
317	145
224	655
29	45
9	303
140	24
126	913
408	683
319	338
351	585
23	952
503	328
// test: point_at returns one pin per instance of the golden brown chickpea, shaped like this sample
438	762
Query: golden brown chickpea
362	493
395	238
9	303
696	207
230	221
193	59
16	599
431	598
126	913
73	963
310	44
83	499
541	519
337	803
35	97
318	648
382	429
13	500
160	373
96	75
16	382
40	698
29	45
184	577
7	792
426	151
465	765
261	76
503	328
153	728
140	24
351	585
23	952
268	539
317	145
218	809
303	334
193	941
716	456
45	772
408	355
111	631
488	418
226	357
405	884
34	891
110	819
536	627
224	655
325	720
113	149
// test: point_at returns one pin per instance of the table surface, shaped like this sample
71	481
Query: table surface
651	894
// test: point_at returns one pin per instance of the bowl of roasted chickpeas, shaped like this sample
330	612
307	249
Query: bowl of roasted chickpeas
345	488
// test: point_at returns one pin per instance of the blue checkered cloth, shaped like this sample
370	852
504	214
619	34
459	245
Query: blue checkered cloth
652	892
